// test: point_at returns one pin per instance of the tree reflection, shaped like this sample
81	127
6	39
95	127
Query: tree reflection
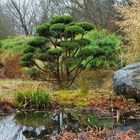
40	125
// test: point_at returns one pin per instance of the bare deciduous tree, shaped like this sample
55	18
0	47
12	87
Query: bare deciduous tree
100	12
23	14
26	14
6	26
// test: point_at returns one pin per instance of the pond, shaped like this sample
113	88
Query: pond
38	126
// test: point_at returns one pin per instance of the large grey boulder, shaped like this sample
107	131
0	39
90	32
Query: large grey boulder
127	81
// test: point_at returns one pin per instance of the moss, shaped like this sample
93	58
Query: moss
71	97
76	98
84	104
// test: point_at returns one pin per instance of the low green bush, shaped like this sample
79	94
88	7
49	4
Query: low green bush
32	99
110	45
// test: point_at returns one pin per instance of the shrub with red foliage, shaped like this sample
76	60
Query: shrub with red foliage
12	68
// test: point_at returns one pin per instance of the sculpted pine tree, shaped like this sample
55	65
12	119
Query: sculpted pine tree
59	50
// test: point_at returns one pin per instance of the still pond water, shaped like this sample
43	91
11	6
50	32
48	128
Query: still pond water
37	126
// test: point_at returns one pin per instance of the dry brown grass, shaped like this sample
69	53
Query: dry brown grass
130	25
98	135
89	82
96	79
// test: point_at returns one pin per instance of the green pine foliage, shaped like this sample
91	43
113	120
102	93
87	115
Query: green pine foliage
110	45
62	19
86	26
38	41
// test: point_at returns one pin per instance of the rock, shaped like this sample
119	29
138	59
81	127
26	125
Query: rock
127	81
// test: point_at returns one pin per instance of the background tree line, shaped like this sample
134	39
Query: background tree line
20	17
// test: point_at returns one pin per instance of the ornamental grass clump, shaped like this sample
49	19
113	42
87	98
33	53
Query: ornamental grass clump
32	99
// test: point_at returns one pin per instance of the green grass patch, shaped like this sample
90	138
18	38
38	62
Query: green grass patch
14	45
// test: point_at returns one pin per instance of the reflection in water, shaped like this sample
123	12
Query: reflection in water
35	126
9	130
39	126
